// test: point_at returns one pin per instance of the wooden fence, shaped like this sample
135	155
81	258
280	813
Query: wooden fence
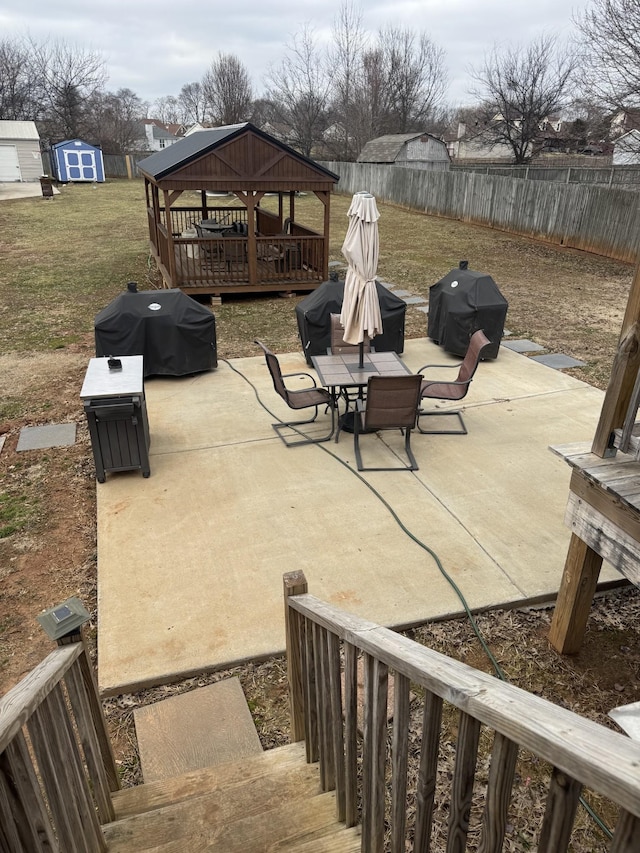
612	177
594	219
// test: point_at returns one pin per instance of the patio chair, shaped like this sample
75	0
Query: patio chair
455	389
392	403
338	344
303	398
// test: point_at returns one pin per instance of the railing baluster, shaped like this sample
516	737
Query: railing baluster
53	767
90	746
375	734
325	710
337	737
318	638
351	733
462	785
399	755
310	692
427	775
625	839
25	822
501	774
367	751
560	812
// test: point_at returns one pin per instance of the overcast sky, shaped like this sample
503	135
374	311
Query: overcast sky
154	47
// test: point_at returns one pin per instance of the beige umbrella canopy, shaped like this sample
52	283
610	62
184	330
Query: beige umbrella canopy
360	314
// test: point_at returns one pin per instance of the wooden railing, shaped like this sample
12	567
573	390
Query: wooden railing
323	648
57	770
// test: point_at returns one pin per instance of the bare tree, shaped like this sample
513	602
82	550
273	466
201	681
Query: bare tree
192	103
167	110
227	90
344	69
416	74
18	100
519	88
299	88
610	46
115	123
69	77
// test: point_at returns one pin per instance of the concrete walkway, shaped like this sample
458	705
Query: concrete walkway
190	561
22	189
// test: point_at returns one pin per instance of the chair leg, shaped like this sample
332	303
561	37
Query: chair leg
295	424
457	414
412	466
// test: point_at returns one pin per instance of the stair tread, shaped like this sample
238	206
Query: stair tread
177	734
154	795
341	841
199	825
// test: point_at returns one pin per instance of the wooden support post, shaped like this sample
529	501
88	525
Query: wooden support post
294	583
577	588
623	374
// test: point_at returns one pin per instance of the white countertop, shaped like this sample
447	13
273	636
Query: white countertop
99	381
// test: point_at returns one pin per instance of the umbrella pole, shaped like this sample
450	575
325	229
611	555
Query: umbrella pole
361	348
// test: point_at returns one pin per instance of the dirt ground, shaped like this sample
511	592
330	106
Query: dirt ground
568	301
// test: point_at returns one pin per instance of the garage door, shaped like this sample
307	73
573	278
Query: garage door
9	166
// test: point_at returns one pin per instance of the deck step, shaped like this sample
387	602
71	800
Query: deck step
207	726
155	795
300	822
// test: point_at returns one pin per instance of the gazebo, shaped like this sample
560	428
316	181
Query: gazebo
205	248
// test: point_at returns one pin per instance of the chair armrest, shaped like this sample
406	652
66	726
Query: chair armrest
301	373
443	366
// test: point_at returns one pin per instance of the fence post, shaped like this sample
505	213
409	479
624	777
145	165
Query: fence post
294	583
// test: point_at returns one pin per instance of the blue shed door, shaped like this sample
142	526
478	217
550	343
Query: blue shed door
80	165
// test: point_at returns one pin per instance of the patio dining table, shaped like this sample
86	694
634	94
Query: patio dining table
341	372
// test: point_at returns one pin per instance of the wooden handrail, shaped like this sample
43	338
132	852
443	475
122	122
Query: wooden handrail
579	751
57	770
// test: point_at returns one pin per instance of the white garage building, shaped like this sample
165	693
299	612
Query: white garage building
20	158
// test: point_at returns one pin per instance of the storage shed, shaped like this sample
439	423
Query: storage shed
20	158
75	160
414	150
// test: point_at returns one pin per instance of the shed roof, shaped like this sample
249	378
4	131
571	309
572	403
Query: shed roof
385	149
192	148
18	130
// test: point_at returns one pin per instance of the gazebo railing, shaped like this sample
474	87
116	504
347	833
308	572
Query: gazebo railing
366	760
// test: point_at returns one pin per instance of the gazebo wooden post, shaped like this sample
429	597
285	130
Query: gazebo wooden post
583	563
325	198
251	201
171	257
204	204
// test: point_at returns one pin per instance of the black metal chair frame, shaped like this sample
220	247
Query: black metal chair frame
405	422
466	369
303	398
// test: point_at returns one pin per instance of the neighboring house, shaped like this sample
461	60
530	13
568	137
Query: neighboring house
626	149
155	136
623	121
416	150
477	145
20	158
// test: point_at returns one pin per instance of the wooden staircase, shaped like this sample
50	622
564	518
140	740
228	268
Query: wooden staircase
269	802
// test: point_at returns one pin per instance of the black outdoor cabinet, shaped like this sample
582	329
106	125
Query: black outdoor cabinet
175	334
116	411
461	303
313	314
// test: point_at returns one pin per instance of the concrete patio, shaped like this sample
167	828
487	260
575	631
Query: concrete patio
190	561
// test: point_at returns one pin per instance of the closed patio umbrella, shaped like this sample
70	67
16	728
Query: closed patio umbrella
360	314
